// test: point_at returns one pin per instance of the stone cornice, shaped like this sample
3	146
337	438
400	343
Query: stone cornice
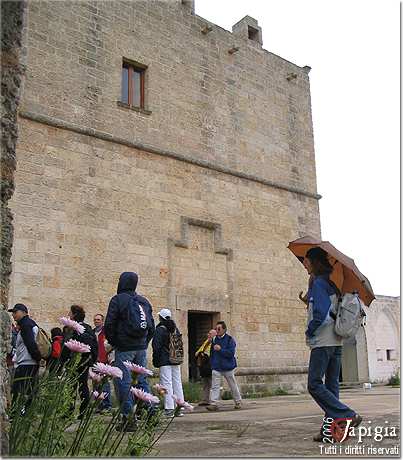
55	122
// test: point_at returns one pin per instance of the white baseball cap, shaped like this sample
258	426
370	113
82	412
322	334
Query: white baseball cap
165	313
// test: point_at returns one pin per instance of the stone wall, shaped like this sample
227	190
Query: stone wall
200	193
12	70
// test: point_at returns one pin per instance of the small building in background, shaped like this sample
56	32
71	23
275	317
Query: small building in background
374	354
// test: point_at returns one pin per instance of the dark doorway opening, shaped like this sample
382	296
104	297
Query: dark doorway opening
199	323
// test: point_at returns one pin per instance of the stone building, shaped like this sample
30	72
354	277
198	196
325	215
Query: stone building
155	141
374	354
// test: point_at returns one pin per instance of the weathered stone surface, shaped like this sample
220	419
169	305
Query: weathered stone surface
12	70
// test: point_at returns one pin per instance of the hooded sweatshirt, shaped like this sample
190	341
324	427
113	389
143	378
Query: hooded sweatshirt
161	342
26	350
117	328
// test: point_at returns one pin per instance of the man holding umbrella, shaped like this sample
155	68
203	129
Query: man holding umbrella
325	344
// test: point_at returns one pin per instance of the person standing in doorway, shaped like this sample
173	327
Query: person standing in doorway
325	344
203	363
170	371
106	404
223	364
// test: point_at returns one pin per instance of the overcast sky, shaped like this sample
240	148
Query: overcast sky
353	49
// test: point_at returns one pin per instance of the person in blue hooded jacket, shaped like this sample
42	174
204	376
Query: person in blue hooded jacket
129	327
325	344
223	364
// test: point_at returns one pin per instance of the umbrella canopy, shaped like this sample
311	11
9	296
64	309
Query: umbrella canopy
345	275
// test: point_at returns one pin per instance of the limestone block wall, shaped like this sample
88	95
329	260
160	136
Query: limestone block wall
86	210
248	111
199	192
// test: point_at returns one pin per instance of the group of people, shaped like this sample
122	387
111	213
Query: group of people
124	334
129	327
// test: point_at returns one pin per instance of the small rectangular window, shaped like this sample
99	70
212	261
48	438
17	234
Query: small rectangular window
133	80
379	356
390	355
253	34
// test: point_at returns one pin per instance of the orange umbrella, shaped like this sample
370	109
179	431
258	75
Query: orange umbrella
345	275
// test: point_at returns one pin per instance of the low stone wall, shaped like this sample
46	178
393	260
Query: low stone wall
260	381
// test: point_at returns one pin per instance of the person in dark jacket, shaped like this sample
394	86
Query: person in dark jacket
223	364
27	355
77	313
57	344
129	336
170	374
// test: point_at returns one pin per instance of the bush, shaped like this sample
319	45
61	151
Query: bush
192	391
395	379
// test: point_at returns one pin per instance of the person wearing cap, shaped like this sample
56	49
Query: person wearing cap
170	374
27	354
129	343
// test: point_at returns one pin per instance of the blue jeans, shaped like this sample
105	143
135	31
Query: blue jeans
326	362
106	403
125	397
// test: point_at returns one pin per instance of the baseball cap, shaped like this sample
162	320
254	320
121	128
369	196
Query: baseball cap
165	313
18	307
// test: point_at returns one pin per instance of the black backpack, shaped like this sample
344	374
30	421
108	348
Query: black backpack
137	319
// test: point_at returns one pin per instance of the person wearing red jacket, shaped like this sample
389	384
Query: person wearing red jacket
57	344
106	404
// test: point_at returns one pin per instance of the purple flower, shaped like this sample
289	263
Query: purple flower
182	403
72	324
160	389
141	394
94	376
77	346
137	369
106	369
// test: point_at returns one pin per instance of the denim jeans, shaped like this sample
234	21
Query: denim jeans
107	402
125	397
325	362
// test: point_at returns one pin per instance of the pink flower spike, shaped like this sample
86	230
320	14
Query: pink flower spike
94	376
182	403
106	369
137	369
160	389
78	347
72	324
141	394
97	395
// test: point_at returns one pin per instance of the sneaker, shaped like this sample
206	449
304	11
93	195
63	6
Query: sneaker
212	407
238	405
169	413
